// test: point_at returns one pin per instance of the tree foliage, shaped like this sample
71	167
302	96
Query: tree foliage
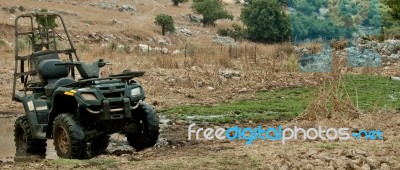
166	23
266	21
177	2
394	6
341	19
211	10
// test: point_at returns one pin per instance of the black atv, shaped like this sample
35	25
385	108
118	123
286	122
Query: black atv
78	111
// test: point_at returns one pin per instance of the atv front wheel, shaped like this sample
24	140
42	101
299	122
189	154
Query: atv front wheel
69	137
25	144
148	132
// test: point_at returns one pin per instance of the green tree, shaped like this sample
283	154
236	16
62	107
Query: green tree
176	2
394	5
166	23
266	21
211	10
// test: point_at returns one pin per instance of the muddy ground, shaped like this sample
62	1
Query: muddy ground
170	82
175	151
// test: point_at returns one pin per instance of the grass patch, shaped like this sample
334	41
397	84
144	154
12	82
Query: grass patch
366	92
277	104
372	92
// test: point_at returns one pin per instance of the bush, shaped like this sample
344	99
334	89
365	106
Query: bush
236	32
211	10
166	22
394	5
224	31
266	21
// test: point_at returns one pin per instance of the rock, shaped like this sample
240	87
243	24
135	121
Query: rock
144	47
385	166
229	73
359	57
164	50
319	62
224	40
365	167
391	47
180	122
162	41
186	31
104	5
209	88
393	57
176	52
127	8
197	19
372	163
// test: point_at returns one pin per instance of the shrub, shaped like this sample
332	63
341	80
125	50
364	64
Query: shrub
211	10
266	21
166	23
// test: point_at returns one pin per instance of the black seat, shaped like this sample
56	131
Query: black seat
55	76
39	56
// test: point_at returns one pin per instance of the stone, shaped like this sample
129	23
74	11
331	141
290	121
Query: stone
385	166
144	47
186	31
193	18
164	50
176	52
224	40
127	8
229	73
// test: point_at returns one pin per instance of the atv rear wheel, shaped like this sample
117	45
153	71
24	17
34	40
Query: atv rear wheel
25	144
69	138
148	132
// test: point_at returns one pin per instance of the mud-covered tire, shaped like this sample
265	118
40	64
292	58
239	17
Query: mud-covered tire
25	144
100	143
69	138
148	122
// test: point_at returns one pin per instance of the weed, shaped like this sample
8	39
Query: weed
112	47
83	47
2	43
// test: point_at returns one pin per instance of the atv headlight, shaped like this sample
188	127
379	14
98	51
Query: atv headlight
89	96
136	92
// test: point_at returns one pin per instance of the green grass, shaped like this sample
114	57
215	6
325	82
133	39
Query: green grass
369	92
278	104
372	92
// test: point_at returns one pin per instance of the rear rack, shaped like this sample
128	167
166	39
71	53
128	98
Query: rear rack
42	35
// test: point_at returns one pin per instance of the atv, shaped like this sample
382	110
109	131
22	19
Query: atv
66	100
